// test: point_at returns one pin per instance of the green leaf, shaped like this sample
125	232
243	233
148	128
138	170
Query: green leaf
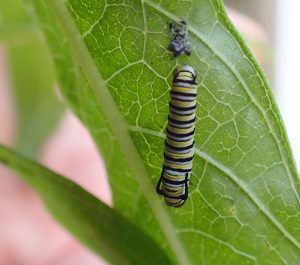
90	220
32	77
115	71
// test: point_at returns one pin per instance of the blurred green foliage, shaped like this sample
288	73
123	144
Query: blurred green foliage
101	228
32	77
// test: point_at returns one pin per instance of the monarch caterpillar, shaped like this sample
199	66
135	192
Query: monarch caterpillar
179	143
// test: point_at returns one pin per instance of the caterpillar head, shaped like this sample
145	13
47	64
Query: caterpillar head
185	73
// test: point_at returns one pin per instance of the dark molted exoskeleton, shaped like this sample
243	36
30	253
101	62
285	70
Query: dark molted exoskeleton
180	43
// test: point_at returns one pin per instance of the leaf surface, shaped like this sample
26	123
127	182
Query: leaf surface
116	72
93	222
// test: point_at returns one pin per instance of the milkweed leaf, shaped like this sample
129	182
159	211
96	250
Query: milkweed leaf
115	71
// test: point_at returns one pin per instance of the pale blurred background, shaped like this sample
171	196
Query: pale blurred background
28	235
280	22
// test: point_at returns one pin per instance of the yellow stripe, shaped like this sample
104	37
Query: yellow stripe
185	76
179	155
174	178
183	104
180	130
188	90
169	176
174	202
182	118
174	191
177	166
179	144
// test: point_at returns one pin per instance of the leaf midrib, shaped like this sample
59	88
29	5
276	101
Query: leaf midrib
118	126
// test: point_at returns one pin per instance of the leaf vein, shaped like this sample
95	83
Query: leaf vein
232	176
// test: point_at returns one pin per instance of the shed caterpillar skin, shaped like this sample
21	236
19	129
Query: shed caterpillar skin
180	43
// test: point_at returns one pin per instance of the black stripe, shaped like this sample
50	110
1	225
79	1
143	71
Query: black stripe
183	94
180	135
184	100
178	140
181	197
180	113
188	159
175	148
182	109
178	170
174	182
182	122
